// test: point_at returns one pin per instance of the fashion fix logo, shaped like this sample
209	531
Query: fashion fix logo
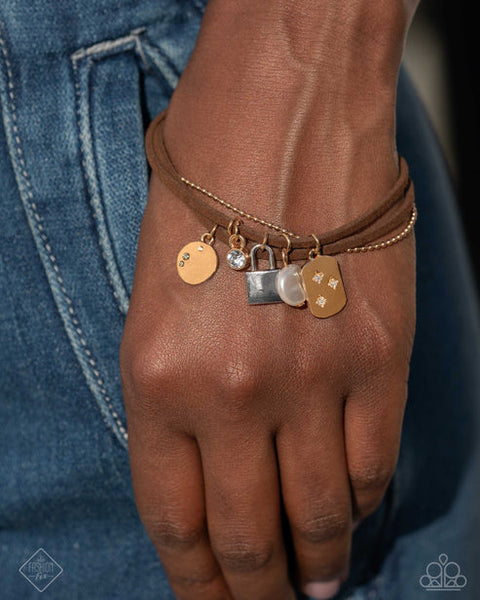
41	570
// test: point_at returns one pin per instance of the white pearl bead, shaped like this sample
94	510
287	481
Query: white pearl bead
290	286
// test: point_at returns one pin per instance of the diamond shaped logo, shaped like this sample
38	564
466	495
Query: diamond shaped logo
41	570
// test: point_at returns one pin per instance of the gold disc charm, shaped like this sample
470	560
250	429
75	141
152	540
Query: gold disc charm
323	286
196	262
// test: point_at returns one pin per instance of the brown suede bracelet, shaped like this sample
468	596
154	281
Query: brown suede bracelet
388	215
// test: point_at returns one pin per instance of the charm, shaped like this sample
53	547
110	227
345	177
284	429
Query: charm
323	286
198	261
289	285
261	284
237	257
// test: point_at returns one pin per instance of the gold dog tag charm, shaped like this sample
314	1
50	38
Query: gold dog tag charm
324	286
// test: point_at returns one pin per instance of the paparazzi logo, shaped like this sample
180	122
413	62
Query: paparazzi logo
41	570
443	576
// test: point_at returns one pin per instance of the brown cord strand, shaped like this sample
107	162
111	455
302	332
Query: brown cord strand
388	215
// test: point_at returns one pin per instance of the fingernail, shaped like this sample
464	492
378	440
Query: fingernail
322	590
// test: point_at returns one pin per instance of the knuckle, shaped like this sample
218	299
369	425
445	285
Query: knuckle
322	526
336	565
240	382
367	505
373	476
195	580
145	370
240	378
378	346
173	535
242	556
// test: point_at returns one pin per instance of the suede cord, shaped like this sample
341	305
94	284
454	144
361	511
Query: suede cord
386	216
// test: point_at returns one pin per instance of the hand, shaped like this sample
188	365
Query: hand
235	411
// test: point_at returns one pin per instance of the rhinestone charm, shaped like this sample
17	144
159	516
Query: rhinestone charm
237	259
323	286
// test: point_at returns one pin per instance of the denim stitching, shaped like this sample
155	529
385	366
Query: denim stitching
58	282
89	170
108	46
162	63
82	61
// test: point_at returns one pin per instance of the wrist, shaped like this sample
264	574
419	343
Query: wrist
310	36
277	121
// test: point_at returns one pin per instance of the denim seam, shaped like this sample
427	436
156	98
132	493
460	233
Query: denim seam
63	300
108	47
82	61
163	65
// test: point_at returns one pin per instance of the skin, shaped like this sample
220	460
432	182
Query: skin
236	413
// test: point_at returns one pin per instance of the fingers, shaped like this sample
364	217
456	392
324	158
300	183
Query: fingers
316	495
167	478
373	424
243	508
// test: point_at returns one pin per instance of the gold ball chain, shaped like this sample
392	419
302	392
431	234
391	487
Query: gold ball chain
378	246
393	240
239	211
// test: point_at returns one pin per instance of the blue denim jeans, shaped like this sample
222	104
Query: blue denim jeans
79	82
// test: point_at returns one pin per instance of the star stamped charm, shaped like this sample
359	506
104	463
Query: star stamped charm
323	286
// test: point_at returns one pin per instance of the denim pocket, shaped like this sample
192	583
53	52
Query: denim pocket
120	84
74	128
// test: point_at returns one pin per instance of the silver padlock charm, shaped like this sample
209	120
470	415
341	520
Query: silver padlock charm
261	288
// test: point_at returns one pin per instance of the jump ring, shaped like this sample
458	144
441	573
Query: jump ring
315	251
237	241
289	242
265	240
209	237
233	227
286	250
